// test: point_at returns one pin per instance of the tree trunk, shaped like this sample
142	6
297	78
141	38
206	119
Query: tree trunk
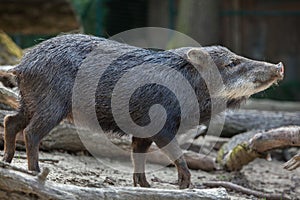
18	185
271	105
239	121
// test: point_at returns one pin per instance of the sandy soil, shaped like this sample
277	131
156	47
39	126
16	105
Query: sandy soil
84	170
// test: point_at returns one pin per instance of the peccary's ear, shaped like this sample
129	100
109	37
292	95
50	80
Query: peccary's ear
197	56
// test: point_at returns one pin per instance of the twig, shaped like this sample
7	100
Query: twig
7	165
48	160
40	159
158	180
43	175
238	188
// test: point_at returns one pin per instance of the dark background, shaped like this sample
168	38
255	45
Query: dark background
265	30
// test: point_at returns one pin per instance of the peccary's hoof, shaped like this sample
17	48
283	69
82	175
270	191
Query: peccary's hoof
140	179
184	180
7	158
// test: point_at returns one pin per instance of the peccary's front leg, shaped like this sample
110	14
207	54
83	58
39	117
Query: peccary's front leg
184	175
139	148
172	149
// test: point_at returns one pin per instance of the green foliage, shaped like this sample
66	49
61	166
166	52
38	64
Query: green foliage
90	14
10	53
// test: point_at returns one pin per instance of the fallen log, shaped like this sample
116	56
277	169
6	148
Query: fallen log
8	98
65	137
276	138
271	105
246	147
238	188
19	185
293	163
239	121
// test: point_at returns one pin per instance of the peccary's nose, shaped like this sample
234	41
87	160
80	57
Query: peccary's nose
280	69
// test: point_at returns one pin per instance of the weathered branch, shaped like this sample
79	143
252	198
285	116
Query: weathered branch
18	185
238	188
239	121
51	160
271	105
276	138
293	163
6	165
245	147
8	98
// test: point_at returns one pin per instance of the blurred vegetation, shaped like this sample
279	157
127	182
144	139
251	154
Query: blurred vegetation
109	17
10	53
90	14
288	91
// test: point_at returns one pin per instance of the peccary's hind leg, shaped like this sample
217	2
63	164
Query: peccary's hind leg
40	125
12	125
172	149
139	147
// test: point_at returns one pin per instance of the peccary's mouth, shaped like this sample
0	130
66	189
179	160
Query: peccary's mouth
242	89
262	85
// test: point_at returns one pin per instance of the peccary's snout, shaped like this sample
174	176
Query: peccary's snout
280	70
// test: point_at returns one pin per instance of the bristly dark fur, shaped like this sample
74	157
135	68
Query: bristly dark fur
52	66
47	78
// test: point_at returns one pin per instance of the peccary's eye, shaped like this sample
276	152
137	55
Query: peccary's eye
233	63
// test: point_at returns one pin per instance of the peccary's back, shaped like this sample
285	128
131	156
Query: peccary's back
47	72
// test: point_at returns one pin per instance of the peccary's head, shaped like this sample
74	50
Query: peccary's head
241	76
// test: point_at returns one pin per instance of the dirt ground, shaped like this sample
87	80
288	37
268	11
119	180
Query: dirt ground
85	170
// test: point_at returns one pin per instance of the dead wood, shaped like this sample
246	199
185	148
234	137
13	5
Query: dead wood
271	105
50	160
238	188
293	163
199	161
19	185
8	98
276	138
246	147
239	121
7	165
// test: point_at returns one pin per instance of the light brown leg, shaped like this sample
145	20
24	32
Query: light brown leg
174	152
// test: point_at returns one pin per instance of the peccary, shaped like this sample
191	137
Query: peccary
47	73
